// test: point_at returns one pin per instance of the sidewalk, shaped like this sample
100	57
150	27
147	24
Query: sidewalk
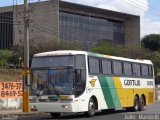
19	112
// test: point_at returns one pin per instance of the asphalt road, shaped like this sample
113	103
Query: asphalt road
150	113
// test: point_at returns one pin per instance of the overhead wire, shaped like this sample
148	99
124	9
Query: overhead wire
150	7
131	3
152	11
34	5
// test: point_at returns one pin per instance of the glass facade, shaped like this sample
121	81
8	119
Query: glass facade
6	30
87	30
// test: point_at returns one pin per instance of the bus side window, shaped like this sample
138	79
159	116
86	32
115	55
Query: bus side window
144	70
94	66
106	67
127	67
117	68
136	70
150	71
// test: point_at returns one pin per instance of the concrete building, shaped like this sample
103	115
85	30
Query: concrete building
63	21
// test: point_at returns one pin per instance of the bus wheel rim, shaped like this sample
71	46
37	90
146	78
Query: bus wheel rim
92	107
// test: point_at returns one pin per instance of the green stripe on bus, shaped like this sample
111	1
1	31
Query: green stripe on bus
109	92
94	54
114	93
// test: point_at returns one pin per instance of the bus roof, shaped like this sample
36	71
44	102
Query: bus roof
60	52
74	52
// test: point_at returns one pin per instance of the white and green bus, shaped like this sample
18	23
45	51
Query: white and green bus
79	81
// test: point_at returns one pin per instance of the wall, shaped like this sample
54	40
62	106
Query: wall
44	24
10	95
45	14
15	103
132	31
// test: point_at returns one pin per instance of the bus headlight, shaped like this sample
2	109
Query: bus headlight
33	108
65	106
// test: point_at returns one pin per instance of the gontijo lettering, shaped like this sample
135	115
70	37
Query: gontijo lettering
132	82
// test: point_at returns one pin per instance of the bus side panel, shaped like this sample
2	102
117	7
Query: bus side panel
125	95
94	89
109	92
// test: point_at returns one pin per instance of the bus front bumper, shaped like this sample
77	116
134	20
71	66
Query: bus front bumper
55	107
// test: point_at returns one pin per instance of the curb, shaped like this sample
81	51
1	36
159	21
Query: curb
19	113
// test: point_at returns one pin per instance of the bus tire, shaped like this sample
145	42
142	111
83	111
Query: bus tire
55	115
136	104
91	108
142	103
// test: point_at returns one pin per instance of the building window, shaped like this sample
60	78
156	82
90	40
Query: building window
87	30
6	30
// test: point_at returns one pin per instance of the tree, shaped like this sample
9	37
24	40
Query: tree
8	57
155	58
135	51
104	47
45	46
128	51
151	42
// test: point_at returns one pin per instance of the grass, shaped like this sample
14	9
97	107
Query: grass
13	75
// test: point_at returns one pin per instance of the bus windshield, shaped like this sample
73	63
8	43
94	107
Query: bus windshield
52	82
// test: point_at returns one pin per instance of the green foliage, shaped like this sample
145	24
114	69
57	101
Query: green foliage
151	42
105	48
155	57
129	51
8	57
135	52
44	46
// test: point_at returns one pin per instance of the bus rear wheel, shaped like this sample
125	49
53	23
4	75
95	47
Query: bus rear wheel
91	108
142	103
55	115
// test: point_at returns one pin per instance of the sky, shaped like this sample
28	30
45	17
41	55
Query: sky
148	10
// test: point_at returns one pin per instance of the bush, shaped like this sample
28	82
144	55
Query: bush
43	46
8	57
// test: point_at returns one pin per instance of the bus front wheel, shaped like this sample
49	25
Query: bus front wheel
136	104
55	115
91	108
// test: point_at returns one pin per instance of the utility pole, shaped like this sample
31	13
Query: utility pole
26	77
